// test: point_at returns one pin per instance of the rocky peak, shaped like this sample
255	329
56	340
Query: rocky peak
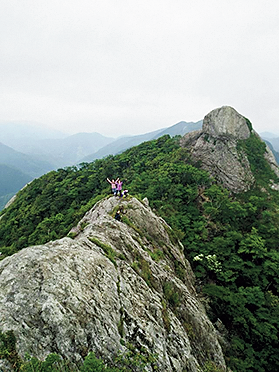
226	121
216	148
113	283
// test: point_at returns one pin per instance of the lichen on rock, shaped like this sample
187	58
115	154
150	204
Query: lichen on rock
70	297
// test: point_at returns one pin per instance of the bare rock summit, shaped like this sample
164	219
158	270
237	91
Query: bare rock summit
216	148
110	285
226	121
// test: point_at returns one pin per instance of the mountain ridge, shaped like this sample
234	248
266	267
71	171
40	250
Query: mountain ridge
122	144
132	307
69	150
229	235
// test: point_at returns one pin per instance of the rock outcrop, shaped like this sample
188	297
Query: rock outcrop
111	284
226	122
215	147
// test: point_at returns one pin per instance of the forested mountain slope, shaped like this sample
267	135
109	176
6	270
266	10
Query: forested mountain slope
230	235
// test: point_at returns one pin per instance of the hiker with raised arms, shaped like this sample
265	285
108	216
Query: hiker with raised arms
113	185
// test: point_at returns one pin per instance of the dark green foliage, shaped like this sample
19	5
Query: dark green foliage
8	349
248	122
179	270
120	324
165	317
156	255
52	363
231	241
91	363
130	360
255	149
135	360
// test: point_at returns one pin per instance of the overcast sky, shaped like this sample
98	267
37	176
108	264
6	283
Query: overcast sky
132	66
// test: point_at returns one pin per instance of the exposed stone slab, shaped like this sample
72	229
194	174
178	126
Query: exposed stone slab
70	297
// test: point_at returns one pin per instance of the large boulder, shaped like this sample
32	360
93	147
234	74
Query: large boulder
226	121
216	148
112	284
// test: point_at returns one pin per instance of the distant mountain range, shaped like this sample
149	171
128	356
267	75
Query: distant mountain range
275	153
27	164
22	136
27	151
268	135
11	180
17	169
271	138
124	143
69	150
274	142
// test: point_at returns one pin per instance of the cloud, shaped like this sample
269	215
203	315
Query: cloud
129	67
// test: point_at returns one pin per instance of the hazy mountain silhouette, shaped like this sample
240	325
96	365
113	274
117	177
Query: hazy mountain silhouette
268	135
69	150
275	153
21	136
123	143
274	142
42	152
59	150
25	163
11	180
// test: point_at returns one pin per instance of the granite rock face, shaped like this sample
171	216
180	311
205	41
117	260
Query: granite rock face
227	122
113	283
215	147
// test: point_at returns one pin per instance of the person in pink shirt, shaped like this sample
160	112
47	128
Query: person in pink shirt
113	185
119	187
